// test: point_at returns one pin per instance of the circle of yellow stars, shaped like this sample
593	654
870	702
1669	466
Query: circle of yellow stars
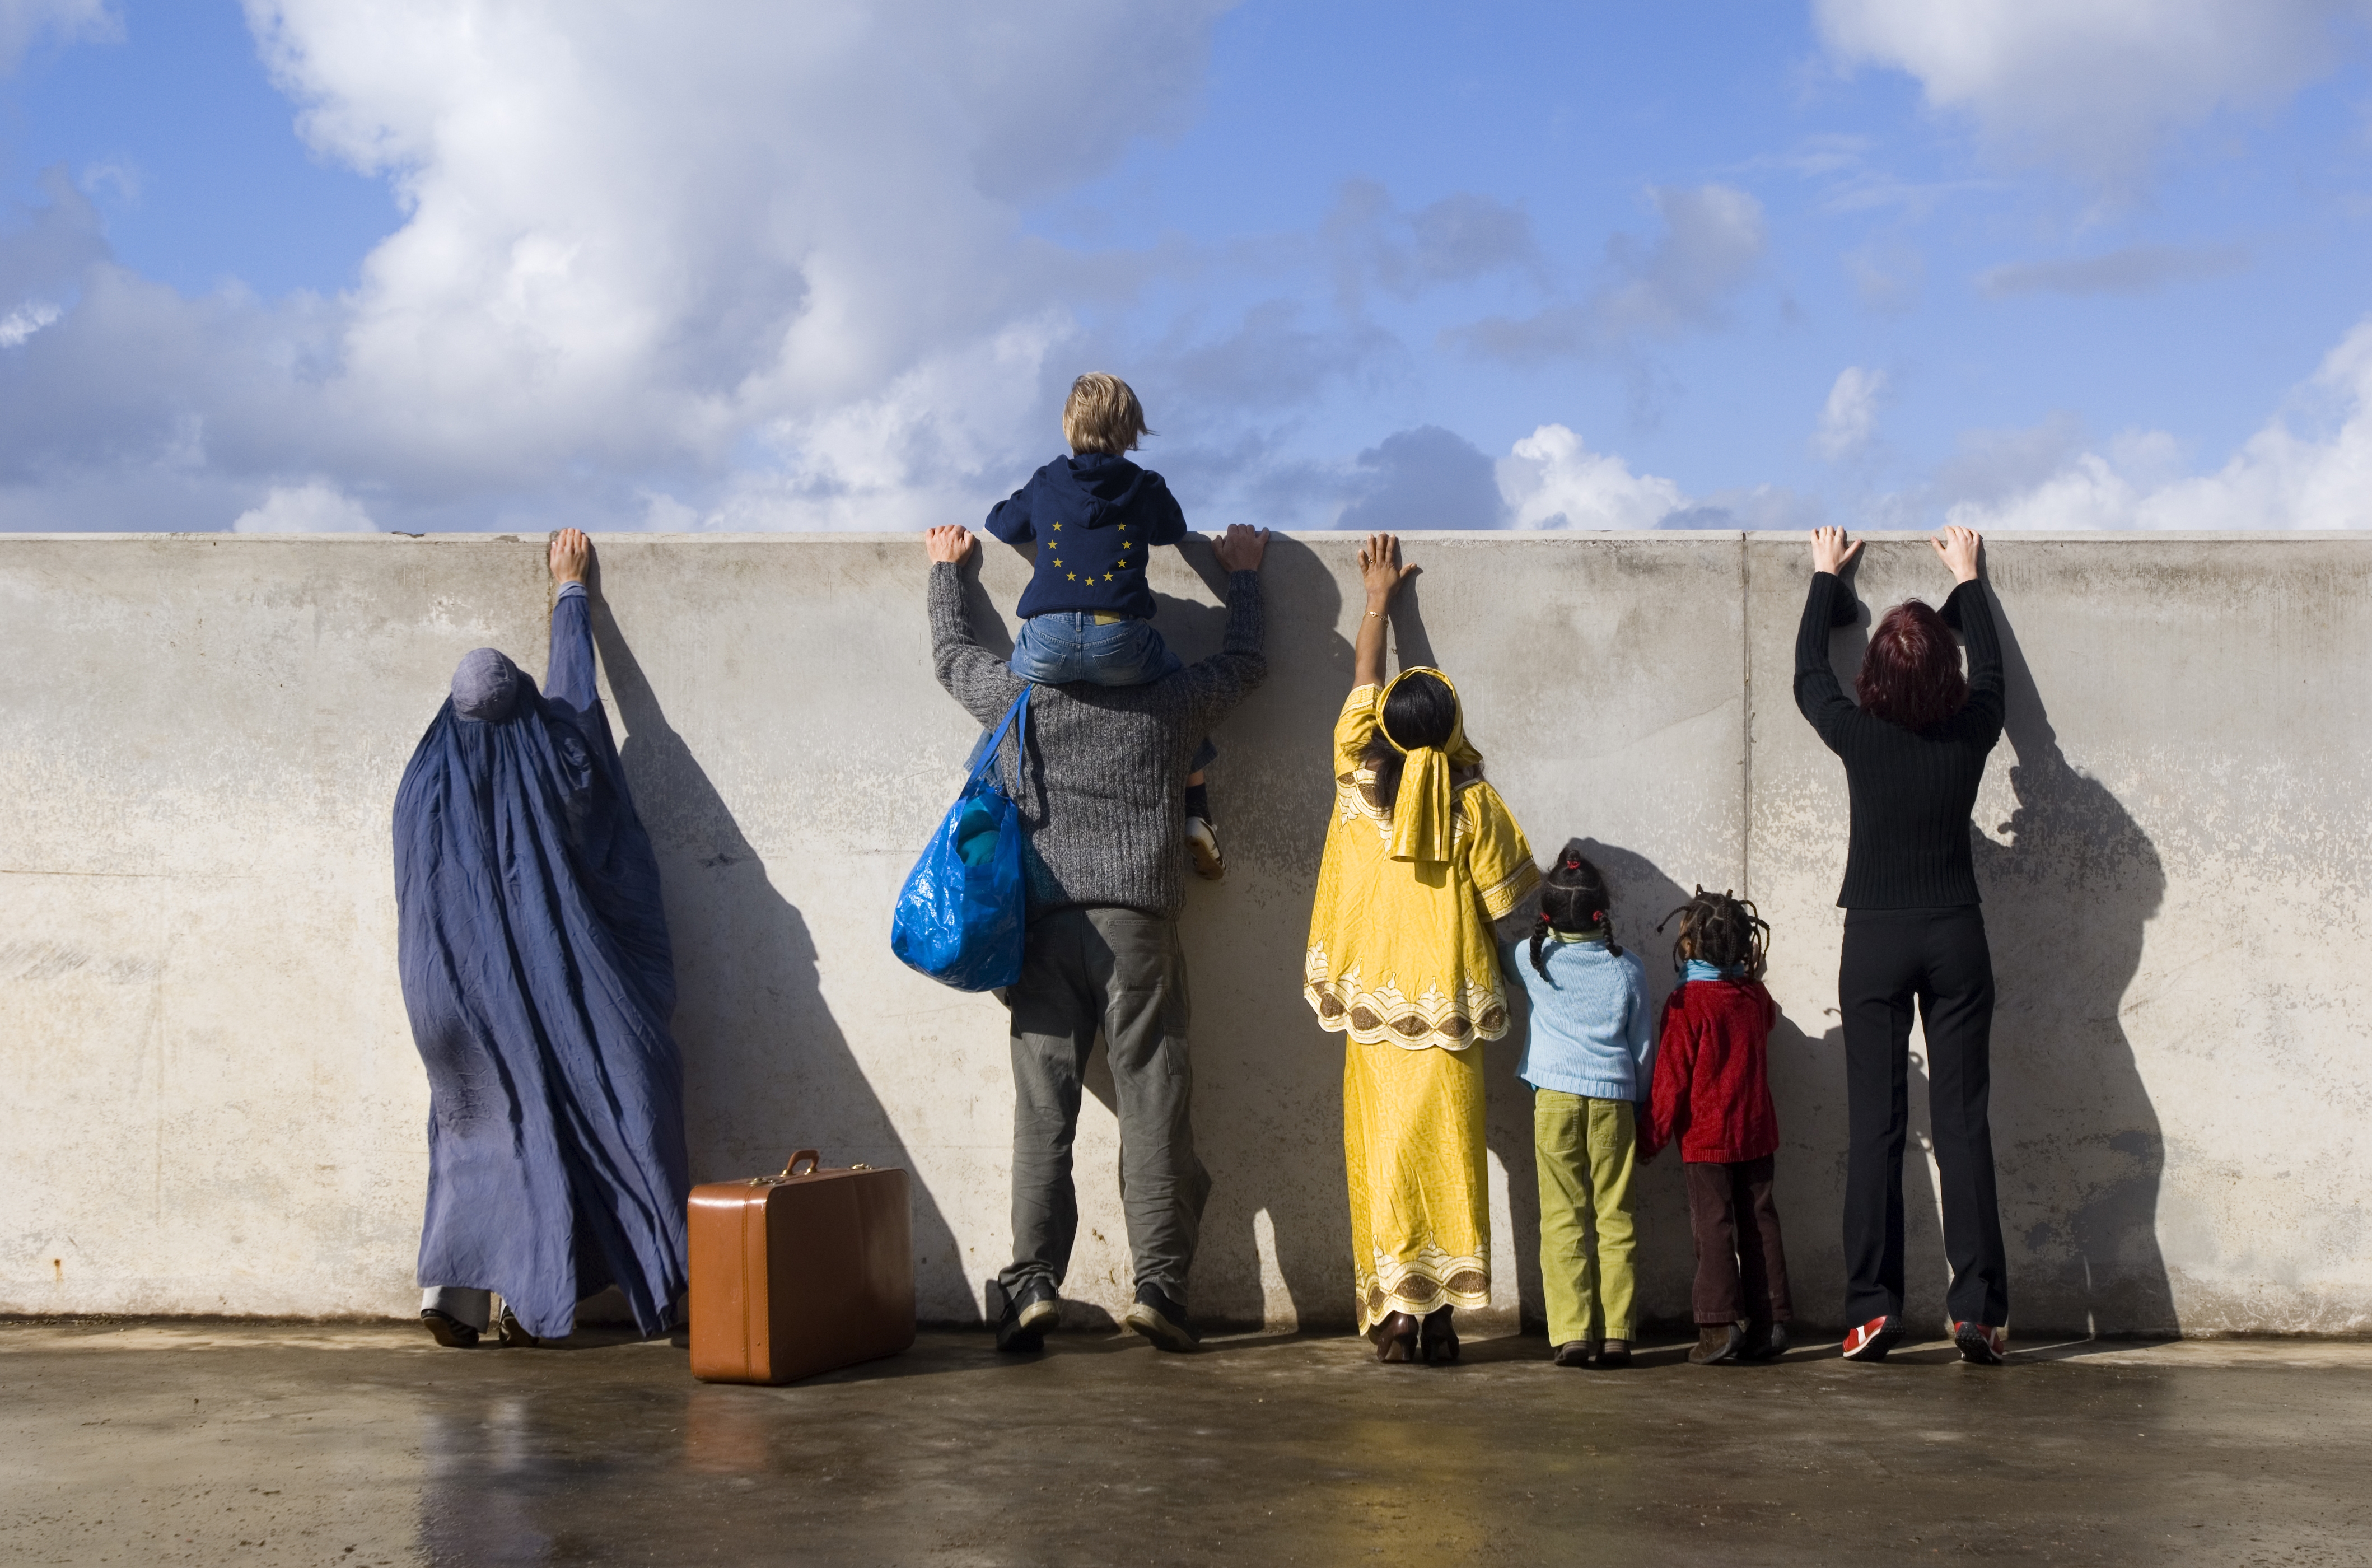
1074	576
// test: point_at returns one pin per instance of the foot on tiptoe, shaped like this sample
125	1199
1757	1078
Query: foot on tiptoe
1716	1343
450	1333
1027	1314
1614	1355
1203	843
1986	1346
1873	1339
1161	1319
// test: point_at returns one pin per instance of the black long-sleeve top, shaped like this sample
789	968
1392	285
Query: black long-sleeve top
1912	790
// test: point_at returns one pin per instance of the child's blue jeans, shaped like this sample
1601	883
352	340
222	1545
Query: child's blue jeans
1067	646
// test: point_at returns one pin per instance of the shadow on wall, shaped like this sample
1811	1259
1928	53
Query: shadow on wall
2076	1139
1267	1082
766	1068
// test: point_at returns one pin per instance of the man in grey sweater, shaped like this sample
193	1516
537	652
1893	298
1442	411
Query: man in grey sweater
1102	793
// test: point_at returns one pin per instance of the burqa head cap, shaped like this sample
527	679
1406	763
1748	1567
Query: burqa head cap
485	685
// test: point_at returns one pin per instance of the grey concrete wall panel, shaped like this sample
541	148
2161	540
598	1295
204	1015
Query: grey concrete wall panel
215	1106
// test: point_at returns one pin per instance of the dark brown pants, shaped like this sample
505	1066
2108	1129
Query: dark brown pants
1741	1267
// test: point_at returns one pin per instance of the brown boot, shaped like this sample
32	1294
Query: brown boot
1716	1343
1765	1342
1614	1355
1574	1352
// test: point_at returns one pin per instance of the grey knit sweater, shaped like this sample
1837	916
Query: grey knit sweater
1102	795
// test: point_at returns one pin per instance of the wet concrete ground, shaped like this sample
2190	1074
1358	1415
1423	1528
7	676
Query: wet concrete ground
267	1444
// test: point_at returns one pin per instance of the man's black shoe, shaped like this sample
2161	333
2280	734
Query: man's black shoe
1028	1316
1161	1319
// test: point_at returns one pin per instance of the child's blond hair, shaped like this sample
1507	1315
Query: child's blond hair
1103	415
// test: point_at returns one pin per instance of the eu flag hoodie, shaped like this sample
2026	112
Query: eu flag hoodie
1096	517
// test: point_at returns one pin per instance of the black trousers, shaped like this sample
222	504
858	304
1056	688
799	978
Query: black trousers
1939	958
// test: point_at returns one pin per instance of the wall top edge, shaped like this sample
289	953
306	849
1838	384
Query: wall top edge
1731	537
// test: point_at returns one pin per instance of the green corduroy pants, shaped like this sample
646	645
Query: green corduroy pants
1584	1151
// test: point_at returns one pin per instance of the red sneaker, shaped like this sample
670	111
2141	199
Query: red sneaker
1986	1347
1873	1339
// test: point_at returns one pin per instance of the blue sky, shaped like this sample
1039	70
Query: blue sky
321	264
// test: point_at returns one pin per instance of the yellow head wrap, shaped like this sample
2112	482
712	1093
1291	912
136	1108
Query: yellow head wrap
1421	824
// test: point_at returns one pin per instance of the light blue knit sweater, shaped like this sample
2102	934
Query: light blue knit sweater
1591	1034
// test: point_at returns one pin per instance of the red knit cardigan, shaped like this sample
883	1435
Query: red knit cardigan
1712	1089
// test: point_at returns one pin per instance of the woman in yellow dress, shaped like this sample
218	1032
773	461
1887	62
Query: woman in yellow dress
1422	858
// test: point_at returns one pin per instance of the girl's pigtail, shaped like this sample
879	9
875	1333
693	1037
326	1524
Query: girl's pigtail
1540	935
1606	919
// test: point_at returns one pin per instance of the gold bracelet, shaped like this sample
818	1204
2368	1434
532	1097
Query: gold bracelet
1376	613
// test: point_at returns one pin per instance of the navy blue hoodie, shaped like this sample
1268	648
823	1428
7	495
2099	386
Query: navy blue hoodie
1096	517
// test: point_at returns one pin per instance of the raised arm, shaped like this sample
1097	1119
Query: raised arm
1225	678
568	677
1382	574
1974	613
984	683
1818	696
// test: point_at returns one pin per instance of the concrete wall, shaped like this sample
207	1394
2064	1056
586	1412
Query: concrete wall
213	1104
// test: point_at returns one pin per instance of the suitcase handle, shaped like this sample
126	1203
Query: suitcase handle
815	1163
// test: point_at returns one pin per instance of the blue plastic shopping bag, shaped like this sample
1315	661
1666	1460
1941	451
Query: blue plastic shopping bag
962	913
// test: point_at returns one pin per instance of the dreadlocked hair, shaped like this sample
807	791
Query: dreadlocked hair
1723	931
1574	899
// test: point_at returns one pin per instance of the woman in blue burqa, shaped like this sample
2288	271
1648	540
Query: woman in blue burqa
537	975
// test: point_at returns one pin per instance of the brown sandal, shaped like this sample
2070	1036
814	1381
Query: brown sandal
1395	1337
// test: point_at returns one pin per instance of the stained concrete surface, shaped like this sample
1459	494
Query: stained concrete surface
268	1444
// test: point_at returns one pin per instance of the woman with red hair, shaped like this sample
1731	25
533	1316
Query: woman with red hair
1914	750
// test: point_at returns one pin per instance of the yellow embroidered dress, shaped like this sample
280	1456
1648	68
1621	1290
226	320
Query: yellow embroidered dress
1403	960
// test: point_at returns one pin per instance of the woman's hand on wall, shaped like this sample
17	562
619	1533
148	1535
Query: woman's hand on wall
1380	569
1959	547
571	553
1830	553
949	544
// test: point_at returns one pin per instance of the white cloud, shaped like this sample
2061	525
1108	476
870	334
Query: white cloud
751	256
2093	85
2279	479
25	320
1850	416
25	22
1552	479
313	507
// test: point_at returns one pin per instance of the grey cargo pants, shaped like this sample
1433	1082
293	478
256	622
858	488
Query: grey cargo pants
1120	971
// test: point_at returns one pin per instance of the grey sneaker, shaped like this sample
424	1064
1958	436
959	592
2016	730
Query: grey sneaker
1161	1319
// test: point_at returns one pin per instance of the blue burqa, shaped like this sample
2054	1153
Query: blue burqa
537	971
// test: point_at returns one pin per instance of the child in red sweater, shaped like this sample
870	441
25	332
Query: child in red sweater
1713	1097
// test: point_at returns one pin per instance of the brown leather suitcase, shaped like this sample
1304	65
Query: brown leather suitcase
801	1272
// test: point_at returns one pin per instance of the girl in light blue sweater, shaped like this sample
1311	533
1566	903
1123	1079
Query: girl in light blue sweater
1590	1059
